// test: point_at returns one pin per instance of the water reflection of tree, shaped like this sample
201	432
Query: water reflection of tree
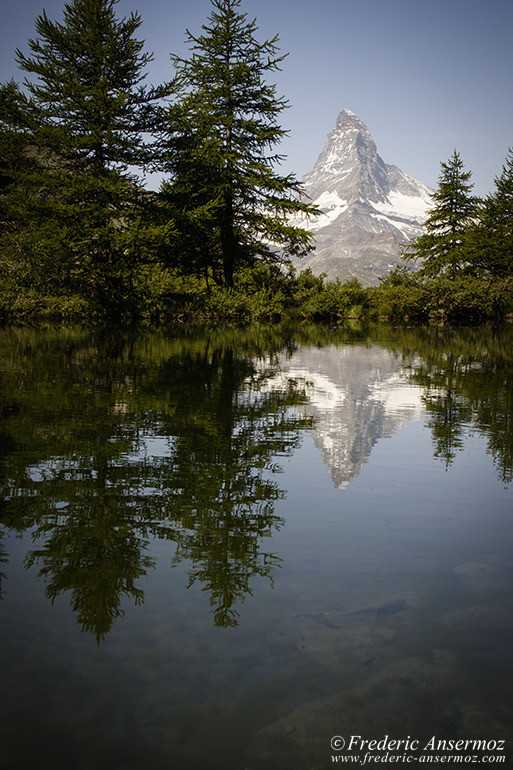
3	561
218	480
467	378
81	476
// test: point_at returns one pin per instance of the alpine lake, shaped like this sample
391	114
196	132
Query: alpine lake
256	549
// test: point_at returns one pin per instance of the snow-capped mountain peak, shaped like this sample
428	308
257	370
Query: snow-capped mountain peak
369	207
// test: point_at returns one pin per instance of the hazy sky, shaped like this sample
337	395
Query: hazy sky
425	76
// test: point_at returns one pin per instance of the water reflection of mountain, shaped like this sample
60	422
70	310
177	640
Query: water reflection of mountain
356	395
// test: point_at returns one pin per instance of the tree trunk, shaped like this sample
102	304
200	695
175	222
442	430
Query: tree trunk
228	240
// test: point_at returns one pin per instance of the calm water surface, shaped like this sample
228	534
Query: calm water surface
222	548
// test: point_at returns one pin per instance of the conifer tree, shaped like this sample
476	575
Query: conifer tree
219	149
13	156
82	121
441	249
491	240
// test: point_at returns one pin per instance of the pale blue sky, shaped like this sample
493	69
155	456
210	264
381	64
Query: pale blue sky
425	77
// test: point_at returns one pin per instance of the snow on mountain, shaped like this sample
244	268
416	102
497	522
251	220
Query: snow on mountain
369	207
355	396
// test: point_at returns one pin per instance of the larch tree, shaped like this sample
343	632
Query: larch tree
441	249
491	240
83	115
232	205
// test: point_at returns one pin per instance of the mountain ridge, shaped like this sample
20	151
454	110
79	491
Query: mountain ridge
369	208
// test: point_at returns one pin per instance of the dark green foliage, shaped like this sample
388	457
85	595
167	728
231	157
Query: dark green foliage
465	255
441	249
73	205
14	156
404	295
329	300
401	295
231	205
491	239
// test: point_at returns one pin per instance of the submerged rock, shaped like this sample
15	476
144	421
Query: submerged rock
394	701
346	651
348	641
480	616
479	576
480	719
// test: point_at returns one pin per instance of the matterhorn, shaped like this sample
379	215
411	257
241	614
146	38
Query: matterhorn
368	207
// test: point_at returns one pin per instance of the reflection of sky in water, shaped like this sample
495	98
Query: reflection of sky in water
390	610
156	446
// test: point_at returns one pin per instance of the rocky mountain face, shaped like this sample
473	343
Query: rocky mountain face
369	208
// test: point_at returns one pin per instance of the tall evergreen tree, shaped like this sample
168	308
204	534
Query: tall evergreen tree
491	240
83	122
13	144
441	248
14	156
219	149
